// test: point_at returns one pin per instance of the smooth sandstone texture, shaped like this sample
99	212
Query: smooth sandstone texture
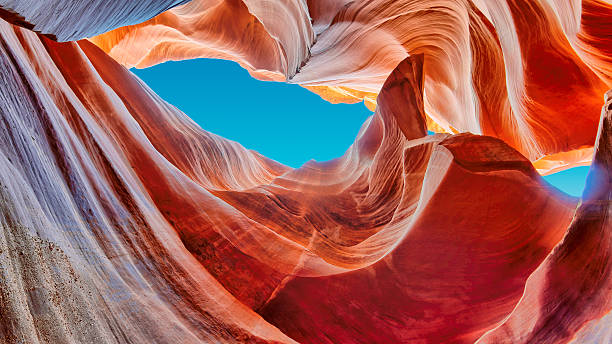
85	254
573	286
123	221
509	69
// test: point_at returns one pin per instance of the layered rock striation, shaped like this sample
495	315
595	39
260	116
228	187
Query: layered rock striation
122	221
77	19
508	69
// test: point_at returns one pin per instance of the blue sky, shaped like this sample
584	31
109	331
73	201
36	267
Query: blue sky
284	122
570	181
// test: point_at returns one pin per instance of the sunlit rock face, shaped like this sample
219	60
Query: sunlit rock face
509	69
122	221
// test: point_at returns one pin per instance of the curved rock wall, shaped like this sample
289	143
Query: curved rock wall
509	69
122	221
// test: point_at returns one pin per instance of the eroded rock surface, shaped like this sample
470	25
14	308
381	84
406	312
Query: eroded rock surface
77	19
123	221
508	69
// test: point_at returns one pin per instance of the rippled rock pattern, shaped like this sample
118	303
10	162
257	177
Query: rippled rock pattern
122	221
76	19
509	69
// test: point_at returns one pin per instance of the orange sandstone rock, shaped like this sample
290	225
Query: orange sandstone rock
123	221
528	72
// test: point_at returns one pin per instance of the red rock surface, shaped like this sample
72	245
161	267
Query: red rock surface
123	221
573	286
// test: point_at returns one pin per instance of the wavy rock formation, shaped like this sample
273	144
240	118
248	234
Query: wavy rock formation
573	285
122	221
86	255
509	69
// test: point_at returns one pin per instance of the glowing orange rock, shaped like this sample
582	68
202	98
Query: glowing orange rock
510	69
123	221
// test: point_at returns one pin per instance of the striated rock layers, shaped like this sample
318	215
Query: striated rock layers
76	19
122	221
508	69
